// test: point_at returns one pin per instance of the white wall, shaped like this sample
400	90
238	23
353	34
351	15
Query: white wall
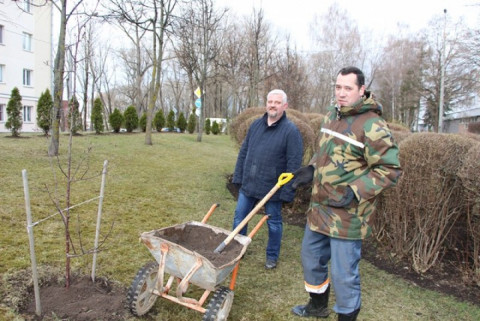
15	59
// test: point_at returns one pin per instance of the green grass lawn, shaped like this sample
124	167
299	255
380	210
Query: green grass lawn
149	187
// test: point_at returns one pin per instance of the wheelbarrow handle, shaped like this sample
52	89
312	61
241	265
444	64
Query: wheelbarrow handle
283	179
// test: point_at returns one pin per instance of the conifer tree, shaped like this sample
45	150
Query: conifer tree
75	117
14	113
215	128
97	116
116	120
143	122
131	119
44	111
159	120
207	126
171	120
181	122
192	122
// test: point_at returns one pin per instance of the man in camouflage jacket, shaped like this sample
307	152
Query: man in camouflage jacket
355	160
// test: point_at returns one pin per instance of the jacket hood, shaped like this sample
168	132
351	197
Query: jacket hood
365	103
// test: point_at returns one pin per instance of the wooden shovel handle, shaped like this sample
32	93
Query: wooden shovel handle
283	179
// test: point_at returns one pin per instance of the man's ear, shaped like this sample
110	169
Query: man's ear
362	90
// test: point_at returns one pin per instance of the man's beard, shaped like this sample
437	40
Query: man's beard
272	113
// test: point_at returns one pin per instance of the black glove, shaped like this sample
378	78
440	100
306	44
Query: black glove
303	176
346	199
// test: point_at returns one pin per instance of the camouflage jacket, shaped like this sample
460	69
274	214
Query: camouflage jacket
355	148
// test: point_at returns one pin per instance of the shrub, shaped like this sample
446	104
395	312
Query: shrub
14	113
192	122
215	128
116	120
238	131
400	135
44	111
308	136
142	123
131	119
316	122
399	127
97	116
159	120
469	222
298	114
182	122
207	126
417	215
171	120
474	128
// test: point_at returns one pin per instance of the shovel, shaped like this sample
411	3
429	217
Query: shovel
283	179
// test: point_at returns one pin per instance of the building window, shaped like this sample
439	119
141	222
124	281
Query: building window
1	34
27	41
27	77
2	73
2	115
27	113
26	6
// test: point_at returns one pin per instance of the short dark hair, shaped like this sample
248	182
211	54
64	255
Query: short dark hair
356	71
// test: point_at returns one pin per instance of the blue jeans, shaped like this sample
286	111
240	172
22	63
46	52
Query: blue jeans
275	225
344	257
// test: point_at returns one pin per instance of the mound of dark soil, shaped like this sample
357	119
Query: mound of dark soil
82	301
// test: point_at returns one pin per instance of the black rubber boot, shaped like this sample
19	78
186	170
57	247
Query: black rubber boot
316	307
349	317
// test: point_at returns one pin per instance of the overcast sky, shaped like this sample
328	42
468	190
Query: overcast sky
380	16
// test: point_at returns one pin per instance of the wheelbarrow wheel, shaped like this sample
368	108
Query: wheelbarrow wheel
140	296
219	306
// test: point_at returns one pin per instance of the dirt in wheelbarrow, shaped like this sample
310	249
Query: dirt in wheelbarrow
204	241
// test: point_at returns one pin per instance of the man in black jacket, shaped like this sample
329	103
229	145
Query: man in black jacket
273	146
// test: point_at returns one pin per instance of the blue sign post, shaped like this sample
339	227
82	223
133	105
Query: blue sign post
198	103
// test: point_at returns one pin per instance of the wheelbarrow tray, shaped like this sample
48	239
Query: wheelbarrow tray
180	260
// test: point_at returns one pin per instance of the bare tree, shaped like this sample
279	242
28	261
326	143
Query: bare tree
198	46
459	82
337	43
135	60
291	76
176	87
154	17
231	62
470	47
258	63
58	71
399	78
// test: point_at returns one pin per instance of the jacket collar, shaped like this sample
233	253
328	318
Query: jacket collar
364	104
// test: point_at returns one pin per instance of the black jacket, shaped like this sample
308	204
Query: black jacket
267	152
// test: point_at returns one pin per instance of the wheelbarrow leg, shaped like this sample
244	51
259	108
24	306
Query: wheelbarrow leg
233	280
161	269
183	285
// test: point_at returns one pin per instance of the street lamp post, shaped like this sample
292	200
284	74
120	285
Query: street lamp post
442	77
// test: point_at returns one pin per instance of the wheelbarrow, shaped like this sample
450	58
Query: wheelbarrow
175	261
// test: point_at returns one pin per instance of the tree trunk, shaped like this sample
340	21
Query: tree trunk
59	67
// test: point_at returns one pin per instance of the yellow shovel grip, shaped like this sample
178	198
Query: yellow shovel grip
284	178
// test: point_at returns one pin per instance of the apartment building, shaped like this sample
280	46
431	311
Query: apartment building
25	56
